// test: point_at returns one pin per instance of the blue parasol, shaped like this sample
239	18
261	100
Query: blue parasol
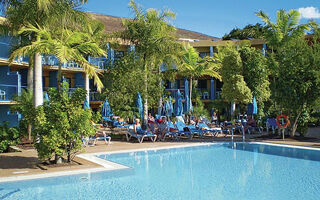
186	96
178	105
46	96
106	110
139	105
86	104
252	107
170	107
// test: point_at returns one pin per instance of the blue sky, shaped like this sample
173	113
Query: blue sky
212	17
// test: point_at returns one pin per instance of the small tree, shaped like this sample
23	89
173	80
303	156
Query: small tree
25	107
234	89
124	81
255	72
298	83
61	123
248	32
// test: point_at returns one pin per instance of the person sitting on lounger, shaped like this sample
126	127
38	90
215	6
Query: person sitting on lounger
214	118
137	127
150	118
163	127
251	124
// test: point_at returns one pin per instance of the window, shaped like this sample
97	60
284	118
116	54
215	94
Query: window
204	54
202	84
118	55
219	85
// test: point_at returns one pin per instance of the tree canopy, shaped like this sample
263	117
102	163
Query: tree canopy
248	32
234	89
153	38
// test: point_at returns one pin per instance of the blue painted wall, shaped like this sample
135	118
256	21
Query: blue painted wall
79	80
9	82
5	115
53	78
6	77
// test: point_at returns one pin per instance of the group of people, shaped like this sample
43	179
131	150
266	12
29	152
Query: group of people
160	126
156	126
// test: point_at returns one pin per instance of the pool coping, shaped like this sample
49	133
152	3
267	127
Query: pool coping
109	166
92	157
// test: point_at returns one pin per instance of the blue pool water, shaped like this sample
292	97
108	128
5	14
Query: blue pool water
219	171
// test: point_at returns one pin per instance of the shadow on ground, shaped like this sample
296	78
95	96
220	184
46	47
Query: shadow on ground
18	162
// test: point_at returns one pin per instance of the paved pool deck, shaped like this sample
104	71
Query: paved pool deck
25	163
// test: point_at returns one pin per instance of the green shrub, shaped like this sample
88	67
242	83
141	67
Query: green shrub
8	137
198	109
61	123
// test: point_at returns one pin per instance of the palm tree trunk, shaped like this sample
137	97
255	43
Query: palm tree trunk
30	78
87	86
145	105
190	94
30	73
37	81
30	87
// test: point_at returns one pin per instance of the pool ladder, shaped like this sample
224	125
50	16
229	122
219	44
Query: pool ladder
243	134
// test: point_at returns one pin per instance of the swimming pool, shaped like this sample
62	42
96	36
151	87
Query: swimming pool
218	171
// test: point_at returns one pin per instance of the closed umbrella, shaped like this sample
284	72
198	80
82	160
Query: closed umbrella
186	107
255	106
106	109
170	107
252	107
46	96
178	105
165	108
139	105
186	96
86	104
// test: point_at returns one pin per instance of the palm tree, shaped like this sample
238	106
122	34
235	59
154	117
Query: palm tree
286	27
25	107
152	35
66	45
193	67
39	13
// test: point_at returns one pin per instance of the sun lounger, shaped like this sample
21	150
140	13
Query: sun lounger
206	129
183	130
271	123
140	136
169	131
92	141
195	130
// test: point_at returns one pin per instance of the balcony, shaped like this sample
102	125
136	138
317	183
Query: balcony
204	93
52	60
7	92
101	62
